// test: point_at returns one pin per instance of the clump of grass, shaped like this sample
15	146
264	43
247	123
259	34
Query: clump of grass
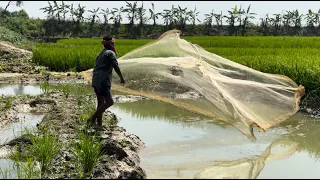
65	90
44	148
27	170
44	87
80	96
86	111
7	102
87	153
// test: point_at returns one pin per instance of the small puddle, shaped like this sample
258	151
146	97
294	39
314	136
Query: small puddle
180	144
6	169
19	89
12	130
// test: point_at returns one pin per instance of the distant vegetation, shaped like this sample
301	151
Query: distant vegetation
68	20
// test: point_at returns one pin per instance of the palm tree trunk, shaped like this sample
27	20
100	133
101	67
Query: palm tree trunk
5	9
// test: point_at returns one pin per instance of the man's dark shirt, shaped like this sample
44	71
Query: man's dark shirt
102	72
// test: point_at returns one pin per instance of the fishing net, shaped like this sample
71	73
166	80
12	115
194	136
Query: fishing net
170	68
249	168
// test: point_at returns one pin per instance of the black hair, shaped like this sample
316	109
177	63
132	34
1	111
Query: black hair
107	38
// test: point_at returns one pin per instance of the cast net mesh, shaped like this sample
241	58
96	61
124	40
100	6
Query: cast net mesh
228	91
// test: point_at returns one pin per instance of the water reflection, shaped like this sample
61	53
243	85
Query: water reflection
12	130
251	167
156	110
19	89
6	169
297	149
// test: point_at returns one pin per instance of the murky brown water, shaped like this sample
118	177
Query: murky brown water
180	144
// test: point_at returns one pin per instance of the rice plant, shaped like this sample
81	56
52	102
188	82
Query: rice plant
44	148
87	153
27	170
65	90
44	87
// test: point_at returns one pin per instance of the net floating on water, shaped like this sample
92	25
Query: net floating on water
230	92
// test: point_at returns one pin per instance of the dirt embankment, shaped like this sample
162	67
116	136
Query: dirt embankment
16	67
120	149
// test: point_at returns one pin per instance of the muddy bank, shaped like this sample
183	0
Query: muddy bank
51	78
9	52
312	111
120	149
15	60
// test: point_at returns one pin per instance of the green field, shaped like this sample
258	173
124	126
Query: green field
295	57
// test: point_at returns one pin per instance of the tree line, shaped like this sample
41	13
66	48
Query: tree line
68	20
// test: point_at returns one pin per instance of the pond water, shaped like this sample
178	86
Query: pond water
180	144
19	89
6	169
13	130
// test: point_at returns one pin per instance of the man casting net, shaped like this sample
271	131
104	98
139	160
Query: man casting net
229	91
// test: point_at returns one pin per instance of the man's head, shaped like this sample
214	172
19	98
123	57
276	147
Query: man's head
108	43
107	40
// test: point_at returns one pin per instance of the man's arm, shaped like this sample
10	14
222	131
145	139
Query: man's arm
116	67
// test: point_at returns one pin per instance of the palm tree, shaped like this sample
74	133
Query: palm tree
92	18
248	16
131	10
182	17
18	4
297	18
219	19
171	14
193	17
64	9
72	12
317	18
265	24
56	9
79	15
153	15
117	18
287	19
276	23
140	16
166	17
310	18
208	21
105	26
48	10
239	14
231	19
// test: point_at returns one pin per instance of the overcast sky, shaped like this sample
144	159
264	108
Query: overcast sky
259	7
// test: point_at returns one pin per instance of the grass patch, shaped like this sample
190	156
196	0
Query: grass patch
44	148
87	153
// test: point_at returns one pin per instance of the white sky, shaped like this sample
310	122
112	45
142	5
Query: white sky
259	7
